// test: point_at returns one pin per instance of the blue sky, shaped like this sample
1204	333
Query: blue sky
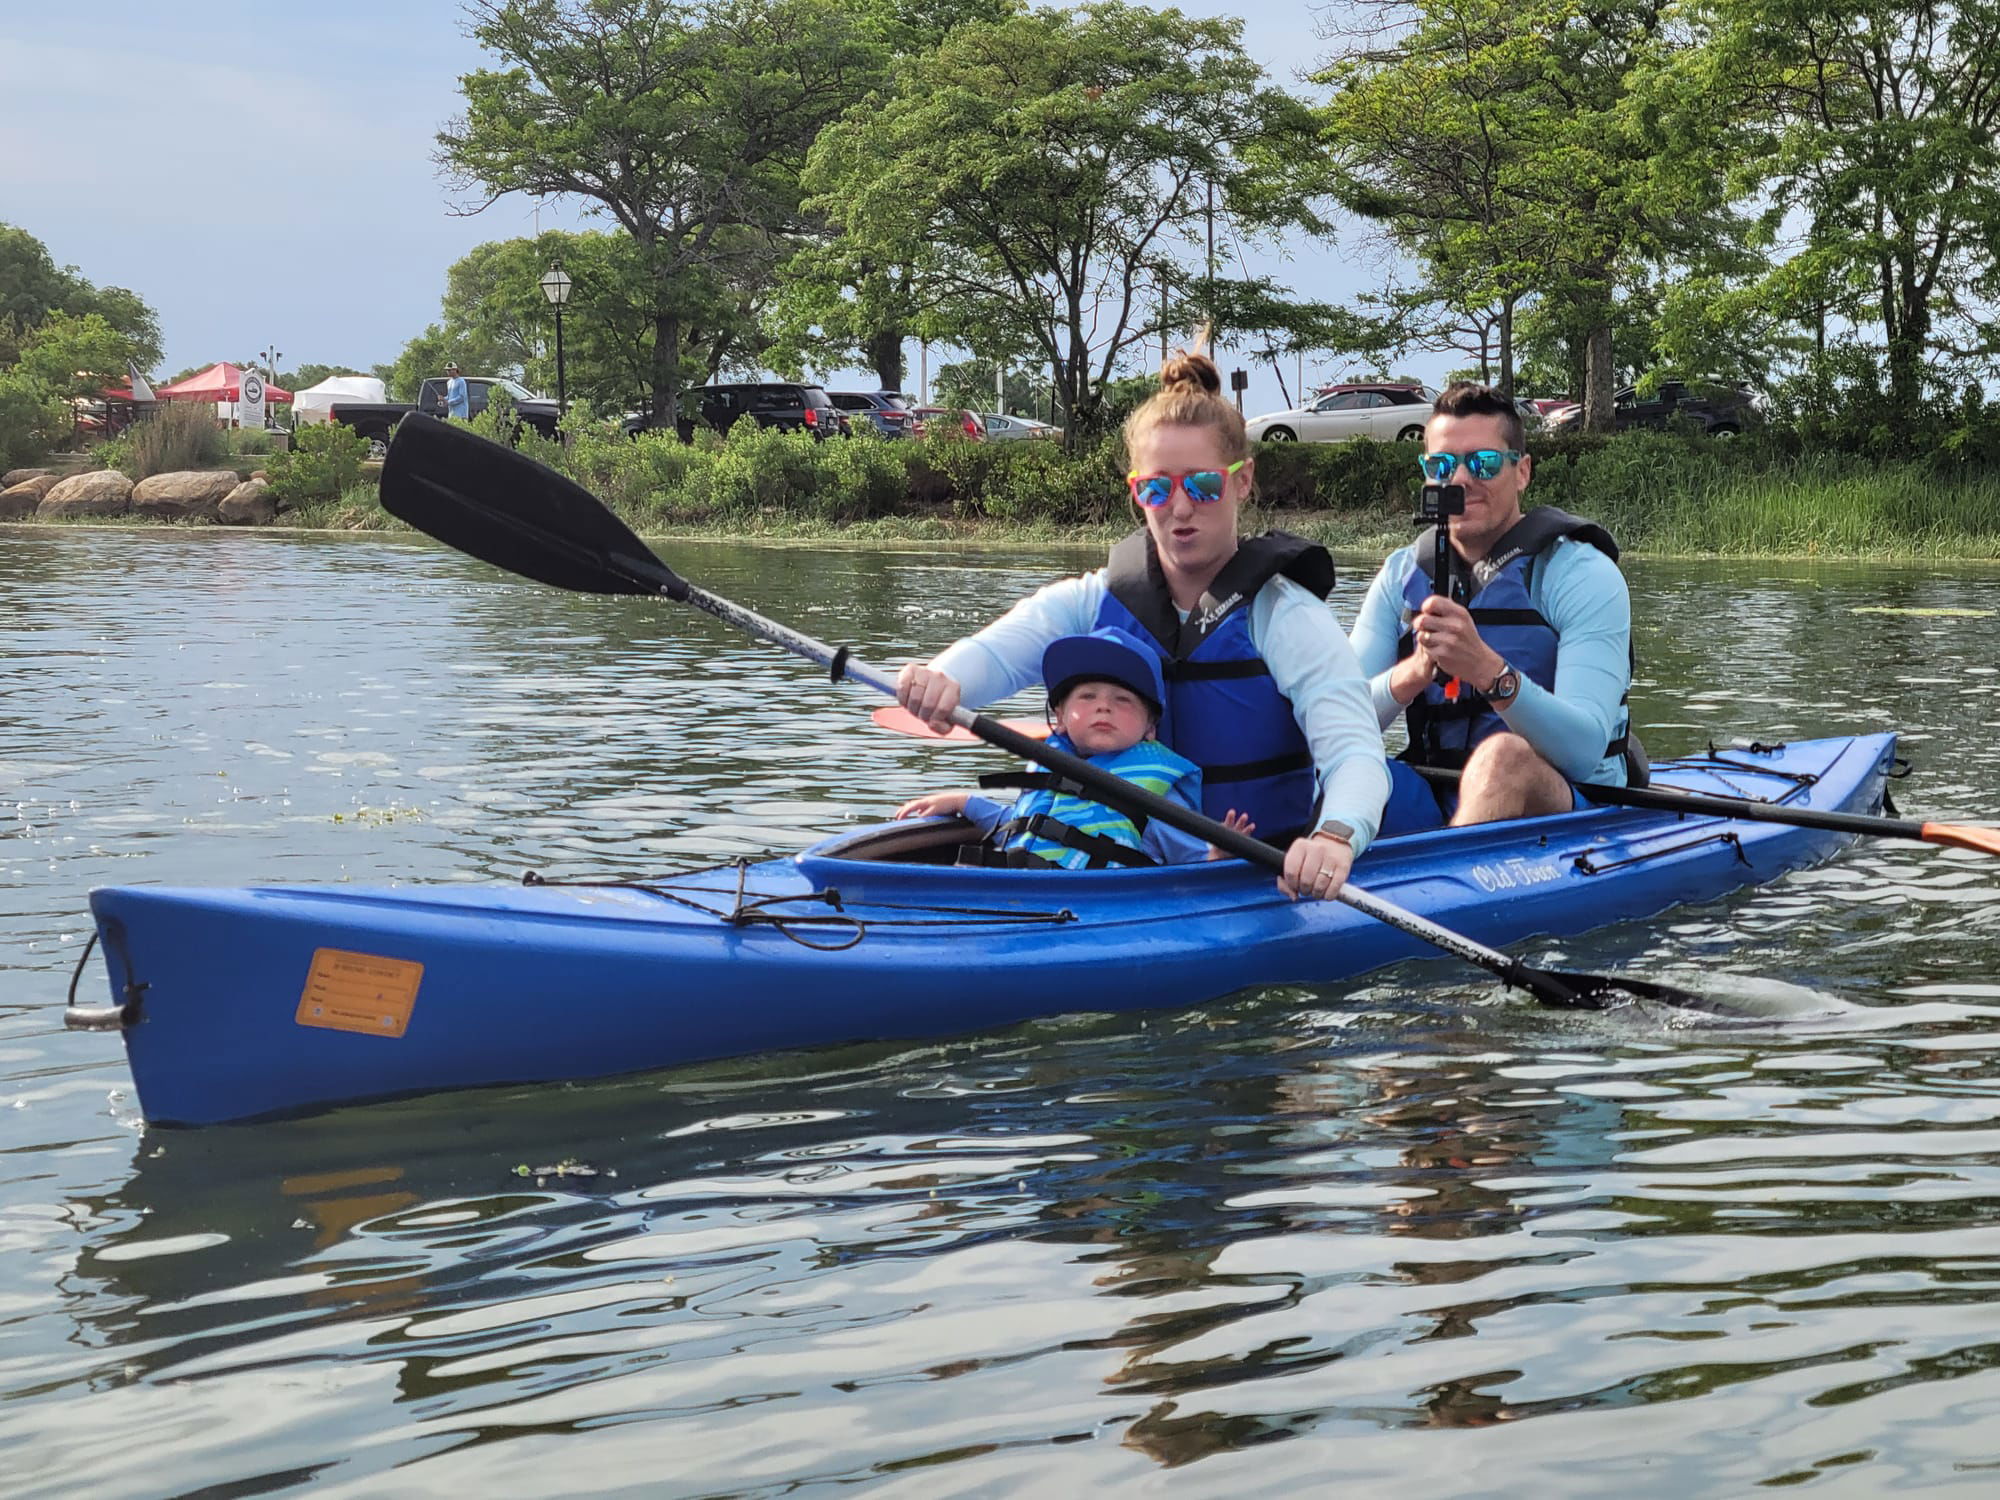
262	174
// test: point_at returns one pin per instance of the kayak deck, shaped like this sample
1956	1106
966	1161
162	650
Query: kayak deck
277	999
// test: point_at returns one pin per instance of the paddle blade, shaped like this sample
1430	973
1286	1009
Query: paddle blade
899	720
1958	836
504	508
1570	989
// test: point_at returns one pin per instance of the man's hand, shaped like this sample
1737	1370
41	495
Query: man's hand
1316	867
1446	634
928	694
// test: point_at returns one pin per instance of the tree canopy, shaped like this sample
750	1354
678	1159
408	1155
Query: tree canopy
686	124
1045	178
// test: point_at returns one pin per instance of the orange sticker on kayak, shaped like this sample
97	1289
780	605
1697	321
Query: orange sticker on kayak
359	992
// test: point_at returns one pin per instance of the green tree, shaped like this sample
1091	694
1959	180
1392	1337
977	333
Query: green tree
684	123
75	358
309	375
1878	123
32	286
1499	144
1044	175
970	384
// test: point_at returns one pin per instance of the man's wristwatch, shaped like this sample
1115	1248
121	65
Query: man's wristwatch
1336	830
1505	686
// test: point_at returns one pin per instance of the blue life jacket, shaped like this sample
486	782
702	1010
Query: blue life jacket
1223	712
1444	732
1053	822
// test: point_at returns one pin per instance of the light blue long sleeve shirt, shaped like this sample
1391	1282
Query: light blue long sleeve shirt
1299	639
1581	593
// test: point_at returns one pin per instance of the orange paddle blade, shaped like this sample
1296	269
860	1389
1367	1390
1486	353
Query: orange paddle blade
900	720
1957	836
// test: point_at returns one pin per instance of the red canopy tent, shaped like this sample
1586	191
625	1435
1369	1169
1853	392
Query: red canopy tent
219	382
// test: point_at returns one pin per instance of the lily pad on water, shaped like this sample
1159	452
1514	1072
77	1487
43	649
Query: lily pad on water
1891	609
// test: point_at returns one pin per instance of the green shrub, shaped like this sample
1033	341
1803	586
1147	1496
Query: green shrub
179	435
251	442
324	463
31	420
1338	476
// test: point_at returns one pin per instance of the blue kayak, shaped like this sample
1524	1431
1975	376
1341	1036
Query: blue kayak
240	1003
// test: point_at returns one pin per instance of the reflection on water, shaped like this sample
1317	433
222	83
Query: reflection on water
1481	1246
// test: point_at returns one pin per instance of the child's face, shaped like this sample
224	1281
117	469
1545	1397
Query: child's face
1102	718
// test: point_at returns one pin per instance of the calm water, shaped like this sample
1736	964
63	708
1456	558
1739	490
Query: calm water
1413	1234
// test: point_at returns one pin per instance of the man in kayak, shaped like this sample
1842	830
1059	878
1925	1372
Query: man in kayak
1523	686
1105	699
1262	690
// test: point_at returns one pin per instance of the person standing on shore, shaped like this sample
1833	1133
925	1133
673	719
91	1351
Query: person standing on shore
1263	692
457	400
1540	653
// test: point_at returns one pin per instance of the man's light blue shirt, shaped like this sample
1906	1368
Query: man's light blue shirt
457	400
1581	593
1297	636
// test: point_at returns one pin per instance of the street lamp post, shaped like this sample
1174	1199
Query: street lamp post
555	286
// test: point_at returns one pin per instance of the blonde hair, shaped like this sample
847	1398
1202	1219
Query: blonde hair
1190	395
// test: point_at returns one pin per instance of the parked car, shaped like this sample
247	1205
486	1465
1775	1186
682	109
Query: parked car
940	419
376	420
887	412
788	405
1719	411
1004	429
1387	413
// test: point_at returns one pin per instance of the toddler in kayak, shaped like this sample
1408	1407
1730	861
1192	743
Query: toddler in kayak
1105	696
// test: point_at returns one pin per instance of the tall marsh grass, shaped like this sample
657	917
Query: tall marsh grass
180	435
1658	493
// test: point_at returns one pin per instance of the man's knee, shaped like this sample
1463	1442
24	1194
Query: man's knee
1507	757
1507	777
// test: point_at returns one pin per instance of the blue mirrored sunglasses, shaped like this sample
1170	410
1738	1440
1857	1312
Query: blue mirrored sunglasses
1481	463
1203	486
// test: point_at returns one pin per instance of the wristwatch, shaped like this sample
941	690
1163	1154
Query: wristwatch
1505	686
1338	831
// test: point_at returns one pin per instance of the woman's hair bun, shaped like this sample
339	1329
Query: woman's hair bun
1182	370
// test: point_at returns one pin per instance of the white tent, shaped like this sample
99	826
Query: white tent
312	405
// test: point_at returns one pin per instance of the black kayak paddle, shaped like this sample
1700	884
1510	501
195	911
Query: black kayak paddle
494	504
1749	810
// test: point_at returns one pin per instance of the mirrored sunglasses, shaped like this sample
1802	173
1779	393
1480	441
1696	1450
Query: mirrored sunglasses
1481	463
1203	486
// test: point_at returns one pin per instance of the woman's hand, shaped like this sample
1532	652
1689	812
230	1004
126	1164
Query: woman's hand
934	805
1316	867
1236	822
1410	676
928	694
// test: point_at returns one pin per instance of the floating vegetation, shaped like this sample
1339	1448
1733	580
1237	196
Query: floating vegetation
1946	614
375	817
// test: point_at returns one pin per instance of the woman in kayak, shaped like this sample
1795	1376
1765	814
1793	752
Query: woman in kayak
1106	695
1262	690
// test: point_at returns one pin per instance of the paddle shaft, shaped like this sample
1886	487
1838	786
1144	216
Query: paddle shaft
1117	792
1669	799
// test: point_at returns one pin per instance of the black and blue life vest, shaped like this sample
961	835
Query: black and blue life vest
1223	712
1443	732
1056	823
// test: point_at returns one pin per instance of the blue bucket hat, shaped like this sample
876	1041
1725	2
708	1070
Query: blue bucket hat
1107	655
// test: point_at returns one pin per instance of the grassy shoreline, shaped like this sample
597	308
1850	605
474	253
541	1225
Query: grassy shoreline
1373	532
1662	495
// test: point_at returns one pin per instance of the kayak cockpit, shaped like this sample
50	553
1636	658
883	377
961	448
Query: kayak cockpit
919	841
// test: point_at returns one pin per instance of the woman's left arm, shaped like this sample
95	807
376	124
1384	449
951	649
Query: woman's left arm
1312	665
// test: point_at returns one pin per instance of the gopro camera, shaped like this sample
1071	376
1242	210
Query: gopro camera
1440	502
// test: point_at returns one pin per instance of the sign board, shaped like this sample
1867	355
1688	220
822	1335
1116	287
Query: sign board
250	406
